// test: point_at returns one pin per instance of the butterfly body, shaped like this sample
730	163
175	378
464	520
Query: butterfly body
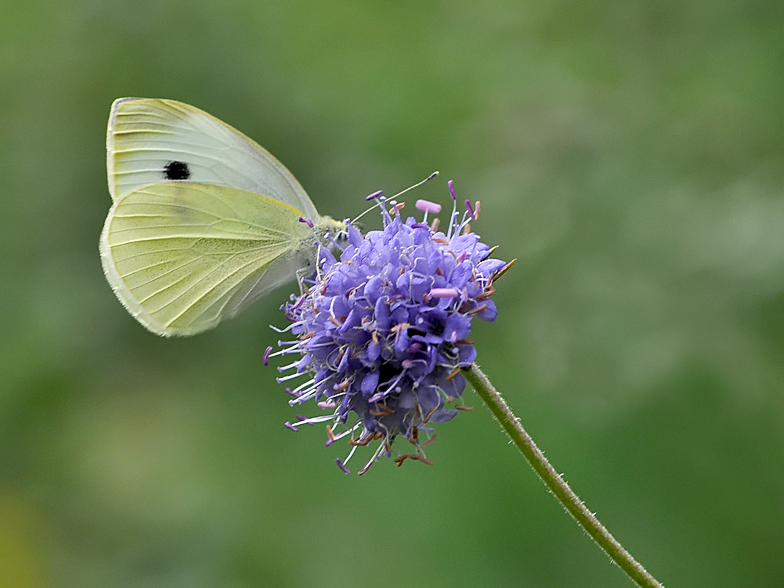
203	221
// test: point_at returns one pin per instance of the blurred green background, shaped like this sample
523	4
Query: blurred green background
629	153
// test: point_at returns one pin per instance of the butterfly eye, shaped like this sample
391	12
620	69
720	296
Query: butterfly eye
342	237
176	170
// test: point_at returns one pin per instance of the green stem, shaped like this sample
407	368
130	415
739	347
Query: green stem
554	482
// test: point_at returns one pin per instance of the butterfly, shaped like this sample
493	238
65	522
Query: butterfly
203	220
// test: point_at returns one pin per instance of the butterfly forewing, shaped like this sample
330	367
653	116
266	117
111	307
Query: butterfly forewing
182	256
151	141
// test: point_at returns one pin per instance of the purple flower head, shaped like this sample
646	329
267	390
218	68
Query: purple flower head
382	332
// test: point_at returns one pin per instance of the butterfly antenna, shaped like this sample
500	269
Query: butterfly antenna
427	179
380	202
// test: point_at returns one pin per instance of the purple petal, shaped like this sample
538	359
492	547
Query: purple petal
490	266
443	415
369	383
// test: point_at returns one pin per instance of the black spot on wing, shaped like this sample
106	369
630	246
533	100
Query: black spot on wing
176	170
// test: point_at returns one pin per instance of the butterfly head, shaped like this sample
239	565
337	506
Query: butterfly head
331	231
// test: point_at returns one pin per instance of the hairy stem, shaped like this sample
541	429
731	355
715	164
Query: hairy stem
555	483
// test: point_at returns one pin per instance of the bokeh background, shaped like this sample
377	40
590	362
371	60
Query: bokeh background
629	153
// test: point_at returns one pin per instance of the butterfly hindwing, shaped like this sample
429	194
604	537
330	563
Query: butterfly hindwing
181	256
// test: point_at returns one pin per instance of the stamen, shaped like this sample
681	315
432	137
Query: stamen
453	374
284	368
470	209
333	437
382	410
360	441
307	221
342	466
489	291
299	390
429	441
414	438
427	206
337	245
379	204
314	420
371	461
286	330
265	358
418	456
350	453
452	217
282	379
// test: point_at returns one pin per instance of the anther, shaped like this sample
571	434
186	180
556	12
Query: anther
479	308
470	209
429	441
342	466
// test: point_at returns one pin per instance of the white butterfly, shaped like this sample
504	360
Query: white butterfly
203	222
